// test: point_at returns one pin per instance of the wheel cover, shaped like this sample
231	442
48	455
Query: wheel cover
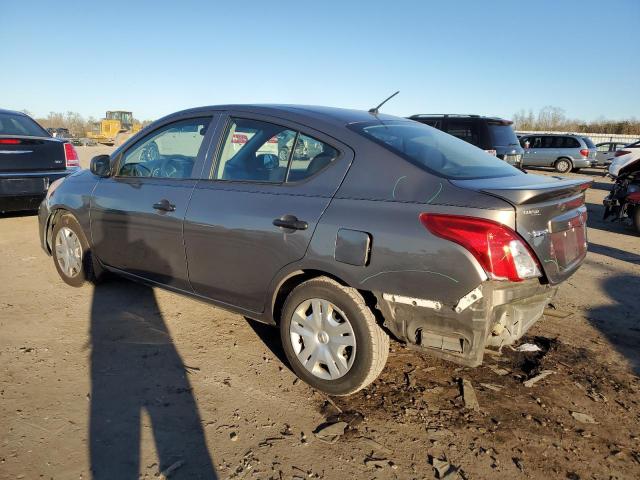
563	165
322	338
68	252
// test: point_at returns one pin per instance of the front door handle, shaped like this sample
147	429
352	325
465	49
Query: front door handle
164	206
291	222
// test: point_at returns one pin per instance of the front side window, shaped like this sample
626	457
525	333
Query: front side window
435	150
259	151
169	152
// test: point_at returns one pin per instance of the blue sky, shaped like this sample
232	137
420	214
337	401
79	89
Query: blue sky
486	57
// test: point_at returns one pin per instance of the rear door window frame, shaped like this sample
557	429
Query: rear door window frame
226	121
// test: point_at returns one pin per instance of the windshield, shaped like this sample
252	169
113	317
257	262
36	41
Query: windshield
503	135
13	124
434	150
589	143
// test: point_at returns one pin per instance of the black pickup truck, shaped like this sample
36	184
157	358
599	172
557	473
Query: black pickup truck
30	160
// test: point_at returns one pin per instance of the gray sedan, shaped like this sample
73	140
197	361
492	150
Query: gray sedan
386	226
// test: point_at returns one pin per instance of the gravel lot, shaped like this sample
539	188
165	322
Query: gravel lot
124	379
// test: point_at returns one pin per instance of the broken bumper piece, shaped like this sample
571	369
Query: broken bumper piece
493	314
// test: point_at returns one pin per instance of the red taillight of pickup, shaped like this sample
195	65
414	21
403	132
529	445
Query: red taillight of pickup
71	156
500	251
619	153
584	152
10	141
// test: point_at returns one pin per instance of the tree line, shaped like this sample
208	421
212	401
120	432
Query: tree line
551	118
77	125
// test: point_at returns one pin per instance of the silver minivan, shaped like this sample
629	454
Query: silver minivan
563	152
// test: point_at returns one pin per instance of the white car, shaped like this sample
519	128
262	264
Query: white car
624	157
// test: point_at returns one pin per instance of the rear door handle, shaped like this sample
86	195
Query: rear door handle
291	222
164	206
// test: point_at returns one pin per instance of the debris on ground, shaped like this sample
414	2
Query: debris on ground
330	433
519	463
443	468
532	381
469	396
583	417
170	469
373	462
498	370
375	446
528	347
491	386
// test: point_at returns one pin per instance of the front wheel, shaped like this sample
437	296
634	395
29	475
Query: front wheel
71	254
331	337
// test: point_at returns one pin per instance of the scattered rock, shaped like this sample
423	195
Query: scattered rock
442	468
491	386
519	463
469	396
376	462
233	436
532	381
330	433
583	417
376	446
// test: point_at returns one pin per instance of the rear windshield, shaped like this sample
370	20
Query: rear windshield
436	151
12	124
502	135
589	143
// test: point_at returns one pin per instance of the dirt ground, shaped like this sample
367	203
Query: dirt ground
124	381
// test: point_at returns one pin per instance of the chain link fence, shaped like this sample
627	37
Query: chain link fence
595	137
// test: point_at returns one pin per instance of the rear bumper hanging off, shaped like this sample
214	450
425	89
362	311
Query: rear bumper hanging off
493	314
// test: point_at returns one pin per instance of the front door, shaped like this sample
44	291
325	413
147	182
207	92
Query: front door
269	185
137	214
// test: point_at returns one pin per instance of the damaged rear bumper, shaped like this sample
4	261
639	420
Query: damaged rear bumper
494	314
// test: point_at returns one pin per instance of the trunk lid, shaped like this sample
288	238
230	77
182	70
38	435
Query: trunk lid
550	216
24	154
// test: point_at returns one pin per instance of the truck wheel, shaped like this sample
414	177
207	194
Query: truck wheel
563	165
71	253
331	337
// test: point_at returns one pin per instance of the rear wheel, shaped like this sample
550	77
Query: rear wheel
563	165
71	254
636	218
331	337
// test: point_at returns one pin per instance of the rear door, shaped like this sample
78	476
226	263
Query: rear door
604	152
137	214
258	209
534	155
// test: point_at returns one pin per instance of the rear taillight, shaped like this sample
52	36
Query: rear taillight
71	156
9	141
619	153
584	152
500	251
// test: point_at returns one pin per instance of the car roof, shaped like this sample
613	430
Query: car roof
455	115
337	116
4	110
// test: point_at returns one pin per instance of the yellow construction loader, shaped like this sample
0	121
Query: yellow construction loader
114	129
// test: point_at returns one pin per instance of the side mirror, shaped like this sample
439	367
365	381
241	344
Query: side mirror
101	165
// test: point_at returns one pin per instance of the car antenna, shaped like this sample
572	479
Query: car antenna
374	111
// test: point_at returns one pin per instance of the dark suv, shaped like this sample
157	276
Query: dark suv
492	134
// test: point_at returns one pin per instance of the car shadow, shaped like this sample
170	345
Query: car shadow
21	213
622	255
270	336
618	321
136	369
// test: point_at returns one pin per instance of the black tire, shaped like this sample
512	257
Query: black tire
636	218
90	270
563	165
372	343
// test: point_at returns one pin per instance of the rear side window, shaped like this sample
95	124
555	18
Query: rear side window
12	124
464	130
434	150
588	141
260	151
